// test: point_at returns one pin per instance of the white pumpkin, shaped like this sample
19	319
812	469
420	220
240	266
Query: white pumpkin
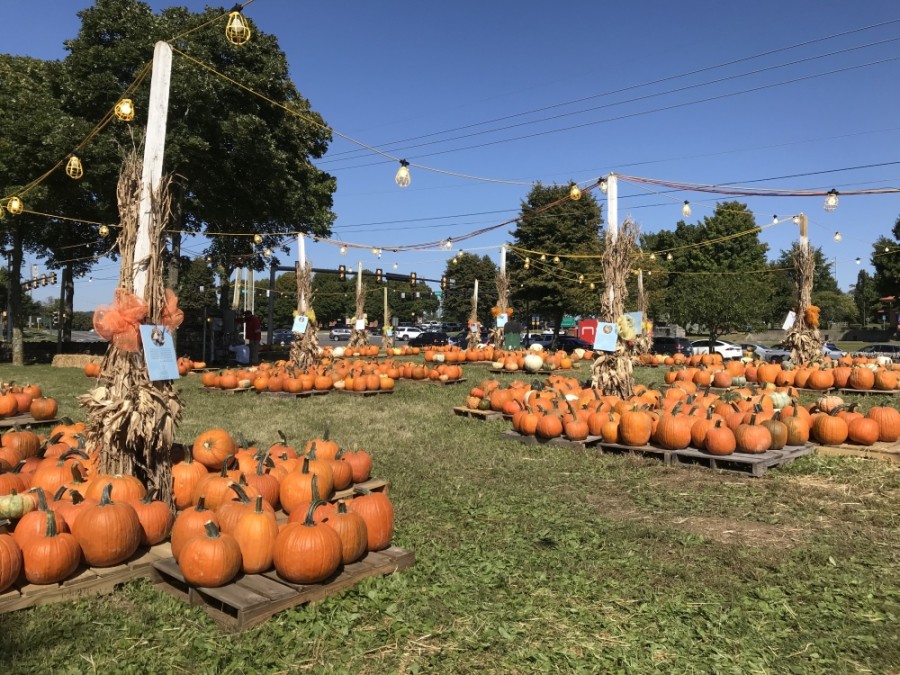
497	365
533	362
579	353
439	357
339	351
536	347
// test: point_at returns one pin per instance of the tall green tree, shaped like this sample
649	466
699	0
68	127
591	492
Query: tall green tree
243	165
865	297
461	276
886	261
718	279
552	225
333	299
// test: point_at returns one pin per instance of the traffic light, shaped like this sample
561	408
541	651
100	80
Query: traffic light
443	282
342	272
379	275
53	278
412	279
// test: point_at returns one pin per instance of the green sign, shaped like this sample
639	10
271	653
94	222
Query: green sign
568	322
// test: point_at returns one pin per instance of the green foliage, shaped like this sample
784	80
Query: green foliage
458	295
196	274
886	261
333	300
865	297
721	286
570	227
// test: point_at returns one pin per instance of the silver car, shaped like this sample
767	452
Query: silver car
728	350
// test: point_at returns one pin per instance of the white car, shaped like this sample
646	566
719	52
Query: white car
728	350
407	332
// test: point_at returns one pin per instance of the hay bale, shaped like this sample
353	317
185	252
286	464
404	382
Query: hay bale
74	360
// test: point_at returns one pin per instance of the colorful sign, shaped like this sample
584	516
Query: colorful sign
300	324
606	336
159	353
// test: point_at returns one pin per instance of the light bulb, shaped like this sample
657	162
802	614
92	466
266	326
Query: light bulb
543	257
343	250
103	230
267	252
15	206
580	278
831	200
73	167
402	178
374	251
604	186
796	220
858	261
257	238
592	286
574	193
838	236
652	256
527	263
686	209
775	219
668	256
396	265
124	110
237	30
556	259
455	261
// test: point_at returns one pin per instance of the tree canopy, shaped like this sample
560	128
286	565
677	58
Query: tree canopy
461	276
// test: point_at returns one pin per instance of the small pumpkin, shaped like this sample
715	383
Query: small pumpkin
378	512
210	560
307	553
255	533
352	530
155	517
190	523
51	557
10	558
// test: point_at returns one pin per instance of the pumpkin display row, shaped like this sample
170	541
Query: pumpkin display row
682	416
841	374
27	399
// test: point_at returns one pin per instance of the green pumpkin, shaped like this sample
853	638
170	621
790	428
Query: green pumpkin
15	506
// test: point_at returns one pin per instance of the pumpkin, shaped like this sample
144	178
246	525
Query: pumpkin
51	474
532	362
108	533
190	523
307	553
34	523
43	408
15	505
25	442
325	448
861	378
211	559
10	558
635	427
213	447
378	512
51	557
155	518
829	403
297	487
351	528
342	472
123	488
68	504
719	439
185	476
255	533
673	432
752	438
361	463
231	510
263	481
13	480
829	429
549	426
216	486
888	422
863	431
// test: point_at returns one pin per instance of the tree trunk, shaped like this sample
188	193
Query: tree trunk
15	290
68	301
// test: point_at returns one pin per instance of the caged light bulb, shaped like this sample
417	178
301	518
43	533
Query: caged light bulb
686	209
402	178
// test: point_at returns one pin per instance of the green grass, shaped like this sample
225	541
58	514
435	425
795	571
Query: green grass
529	559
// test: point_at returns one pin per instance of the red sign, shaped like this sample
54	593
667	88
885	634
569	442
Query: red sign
587	329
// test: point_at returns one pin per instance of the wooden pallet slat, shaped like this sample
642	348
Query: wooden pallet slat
889	452
26	420
871	392
219	390
484	415
368	392
254	598
295	394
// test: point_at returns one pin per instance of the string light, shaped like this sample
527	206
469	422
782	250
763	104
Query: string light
574	193
267	252
124	110
668	256
402	178
580	278
796	220
447	244
652	256
237	30
775	219
838	236
604	186
858	261
831	200
592	286
686	209
556	259
343	250
15	205
527	264
543	258
103	230
257	238
396	265
74	169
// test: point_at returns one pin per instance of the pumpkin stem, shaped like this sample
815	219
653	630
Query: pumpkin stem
241	493
150	496
56	495
305	467
18	467
4	522
201	504
106	497
259	502
42	499
212	530
51	524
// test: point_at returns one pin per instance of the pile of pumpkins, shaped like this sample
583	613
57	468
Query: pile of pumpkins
845	373
537	360
683	416
26	399
226	497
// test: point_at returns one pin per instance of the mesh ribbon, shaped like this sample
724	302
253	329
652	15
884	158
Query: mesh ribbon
119	322
172	316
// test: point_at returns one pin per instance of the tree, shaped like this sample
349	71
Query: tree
717	275
197	285
333	299
865	297
244	165
886	261
553	225
457	305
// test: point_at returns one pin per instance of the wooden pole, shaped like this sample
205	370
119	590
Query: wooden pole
612	227
503	259
154	150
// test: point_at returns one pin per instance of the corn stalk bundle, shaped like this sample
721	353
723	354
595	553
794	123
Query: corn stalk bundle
643	342
387	341
497	333
612	372
359	338
305	347
472	340
803	338
130	419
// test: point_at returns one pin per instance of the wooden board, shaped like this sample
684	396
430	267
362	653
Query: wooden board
252	599
530	373
753	464
25	420
426	379
372	392
871	392
483	415
217	390
889	452
297	394
86	581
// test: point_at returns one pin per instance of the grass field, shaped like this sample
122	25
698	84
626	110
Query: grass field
529	559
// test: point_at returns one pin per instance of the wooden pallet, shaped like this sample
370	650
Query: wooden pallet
218	390
87	581
295	394
889	452
427	379
25	420
753	464
368	392
530	373
483	415
871	392
252	599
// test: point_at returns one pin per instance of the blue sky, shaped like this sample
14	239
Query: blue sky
383	72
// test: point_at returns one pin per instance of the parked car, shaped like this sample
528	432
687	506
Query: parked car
461	339
339	333
778	353
886	350
429	338
832	350
758	350
727	350
672	345
570	343
407	332
282	335
535	339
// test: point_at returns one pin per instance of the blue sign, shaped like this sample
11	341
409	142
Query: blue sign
605	337
159	353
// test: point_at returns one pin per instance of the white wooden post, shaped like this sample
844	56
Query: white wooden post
154	149
503	260
301	251
612	227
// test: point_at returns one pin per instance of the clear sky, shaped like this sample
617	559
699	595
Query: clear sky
800	92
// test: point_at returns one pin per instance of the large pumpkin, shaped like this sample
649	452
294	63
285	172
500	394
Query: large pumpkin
635	428
211	559
255	533
212	447
108	533
307	553
52	557
10	558
378	512
888	422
